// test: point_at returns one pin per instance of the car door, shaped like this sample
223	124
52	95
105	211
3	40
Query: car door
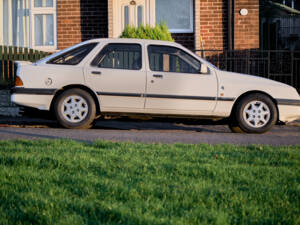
117	74
175	84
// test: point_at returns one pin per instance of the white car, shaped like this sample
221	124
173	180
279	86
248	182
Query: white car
149	78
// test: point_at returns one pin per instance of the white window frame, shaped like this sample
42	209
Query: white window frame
191	28
42	10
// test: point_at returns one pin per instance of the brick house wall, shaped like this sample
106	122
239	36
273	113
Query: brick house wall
79	20
214	24
247	27
94	19
186	39
68	23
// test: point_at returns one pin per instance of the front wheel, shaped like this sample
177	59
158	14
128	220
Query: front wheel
75	108
255	113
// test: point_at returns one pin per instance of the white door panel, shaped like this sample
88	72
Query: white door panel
174	81
118	76
117	88
180	91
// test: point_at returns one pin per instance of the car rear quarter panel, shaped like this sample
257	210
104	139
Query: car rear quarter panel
60	75
46	76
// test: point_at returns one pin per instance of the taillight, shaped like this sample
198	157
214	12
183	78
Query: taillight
18	82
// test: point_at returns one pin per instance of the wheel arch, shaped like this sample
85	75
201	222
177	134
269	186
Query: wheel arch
79	86
254	92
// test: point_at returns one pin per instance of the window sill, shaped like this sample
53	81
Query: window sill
46	48
181	31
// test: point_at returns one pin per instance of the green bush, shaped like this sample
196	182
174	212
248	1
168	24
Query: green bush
159	32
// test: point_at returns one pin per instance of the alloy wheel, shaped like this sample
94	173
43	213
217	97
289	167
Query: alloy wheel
74	109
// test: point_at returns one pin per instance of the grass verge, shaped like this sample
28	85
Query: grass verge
67	182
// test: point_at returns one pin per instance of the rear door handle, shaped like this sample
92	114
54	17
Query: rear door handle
158	76
96	72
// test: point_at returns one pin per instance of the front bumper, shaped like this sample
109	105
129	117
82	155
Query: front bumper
289	113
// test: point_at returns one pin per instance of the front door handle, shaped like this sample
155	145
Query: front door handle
96	72
158	76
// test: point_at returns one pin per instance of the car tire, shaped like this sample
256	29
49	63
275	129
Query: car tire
75	109
255	113
234	127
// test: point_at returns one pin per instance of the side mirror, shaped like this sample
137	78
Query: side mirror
204	69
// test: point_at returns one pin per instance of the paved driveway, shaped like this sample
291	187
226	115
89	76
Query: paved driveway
148	132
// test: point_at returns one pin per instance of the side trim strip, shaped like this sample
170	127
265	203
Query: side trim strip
288	102
181	97
120	94
166	96
33	91
225	99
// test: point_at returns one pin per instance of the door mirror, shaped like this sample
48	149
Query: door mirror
203	69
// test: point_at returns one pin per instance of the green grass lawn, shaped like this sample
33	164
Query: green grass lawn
67	182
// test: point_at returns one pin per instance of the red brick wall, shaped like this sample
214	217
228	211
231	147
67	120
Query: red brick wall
94	19
247	27
185	39
68	23
214	24
80	20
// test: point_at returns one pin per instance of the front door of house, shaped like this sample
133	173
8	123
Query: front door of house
133	13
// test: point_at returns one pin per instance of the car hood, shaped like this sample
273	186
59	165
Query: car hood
235	84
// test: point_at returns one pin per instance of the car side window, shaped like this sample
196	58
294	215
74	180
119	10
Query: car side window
119	56
171	59
74	56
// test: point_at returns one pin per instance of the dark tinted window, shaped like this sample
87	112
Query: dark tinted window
74	56
171	59
119	56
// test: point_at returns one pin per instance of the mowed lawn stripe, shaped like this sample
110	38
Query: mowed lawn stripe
67	182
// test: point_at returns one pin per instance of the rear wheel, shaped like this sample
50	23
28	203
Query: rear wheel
255	113
75	109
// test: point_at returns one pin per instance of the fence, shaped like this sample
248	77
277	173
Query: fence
279	65
8	56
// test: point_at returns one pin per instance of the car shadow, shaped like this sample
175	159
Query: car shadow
123	124
162	125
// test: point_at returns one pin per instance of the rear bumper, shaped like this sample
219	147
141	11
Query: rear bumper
41	102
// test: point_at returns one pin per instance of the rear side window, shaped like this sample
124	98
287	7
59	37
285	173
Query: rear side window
74	56
119	56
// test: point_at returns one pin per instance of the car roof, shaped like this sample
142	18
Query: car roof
133	40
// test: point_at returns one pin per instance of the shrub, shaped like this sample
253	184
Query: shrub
159	32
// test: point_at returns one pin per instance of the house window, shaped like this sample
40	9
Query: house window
28	23
178	14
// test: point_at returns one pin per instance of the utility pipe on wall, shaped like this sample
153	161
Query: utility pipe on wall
231	13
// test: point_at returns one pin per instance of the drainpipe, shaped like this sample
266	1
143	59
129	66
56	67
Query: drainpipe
231	11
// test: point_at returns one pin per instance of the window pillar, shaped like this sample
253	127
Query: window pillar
110	18
197	34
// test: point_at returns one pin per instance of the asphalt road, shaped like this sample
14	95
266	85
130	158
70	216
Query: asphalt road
148	132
